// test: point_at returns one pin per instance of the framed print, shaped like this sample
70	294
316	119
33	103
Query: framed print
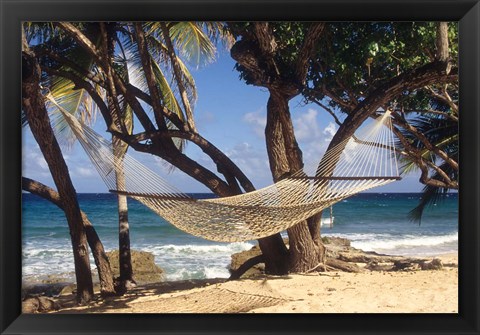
239	167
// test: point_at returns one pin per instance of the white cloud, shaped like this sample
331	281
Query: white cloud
258	121
330	131
85	172
252	161
42	163
33	161
244	154
306	126
312	137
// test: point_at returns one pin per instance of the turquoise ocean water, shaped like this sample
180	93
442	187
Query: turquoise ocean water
372	221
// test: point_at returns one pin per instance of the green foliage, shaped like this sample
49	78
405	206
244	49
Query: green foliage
441	130
355	58
46	38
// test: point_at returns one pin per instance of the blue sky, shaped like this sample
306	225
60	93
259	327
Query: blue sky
228	113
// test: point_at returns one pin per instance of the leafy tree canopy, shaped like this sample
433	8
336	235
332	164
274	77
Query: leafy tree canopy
353	59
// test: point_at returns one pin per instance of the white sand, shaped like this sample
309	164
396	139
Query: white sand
433	291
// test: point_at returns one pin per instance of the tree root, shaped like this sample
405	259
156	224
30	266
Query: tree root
236	274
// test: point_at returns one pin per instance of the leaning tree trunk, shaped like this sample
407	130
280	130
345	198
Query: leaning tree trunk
306	251
39	122
101	259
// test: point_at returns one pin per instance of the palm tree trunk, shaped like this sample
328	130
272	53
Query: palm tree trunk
125	258
119	150
37	116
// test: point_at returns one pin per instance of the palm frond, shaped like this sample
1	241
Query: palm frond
169	99
64	92
40	32
218	32
431	195
193	43
160	52
75	101
160	64
126	111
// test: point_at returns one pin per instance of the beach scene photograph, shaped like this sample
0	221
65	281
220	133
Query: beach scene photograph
240	167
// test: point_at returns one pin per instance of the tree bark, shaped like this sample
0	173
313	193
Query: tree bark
442	42
101	260
305	248
125	257
275	254
34	107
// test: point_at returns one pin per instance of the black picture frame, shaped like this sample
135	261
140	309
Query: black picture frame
13	12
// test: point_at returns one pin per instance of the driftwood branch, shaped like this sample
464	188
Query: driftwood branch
236	274
99	255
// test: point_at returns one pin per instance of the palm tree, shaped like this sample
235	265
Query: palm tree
37	117
66	197
66	96
160	41
118	44
438	125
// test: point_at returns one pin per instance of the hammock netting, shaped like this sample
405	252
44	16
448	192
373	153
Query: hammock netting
365	161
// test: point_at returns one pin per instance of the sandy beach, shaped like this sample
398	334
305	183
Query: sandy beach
419	291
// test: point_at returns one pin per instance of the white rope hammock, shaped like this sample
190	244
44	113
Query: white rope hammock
351	167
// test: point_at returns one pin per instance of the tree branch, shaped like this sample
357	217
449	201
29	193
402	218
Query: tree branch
428	145
314	33
328	109
83	41
208	148
429	111
112	98
43	51
423	164
80	83
425	75
166	112
346	105
100	257
249	263
442	42
444	97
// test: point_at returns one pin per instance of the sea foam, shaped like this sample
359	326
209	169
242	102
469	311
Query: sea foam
405	244
196	261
